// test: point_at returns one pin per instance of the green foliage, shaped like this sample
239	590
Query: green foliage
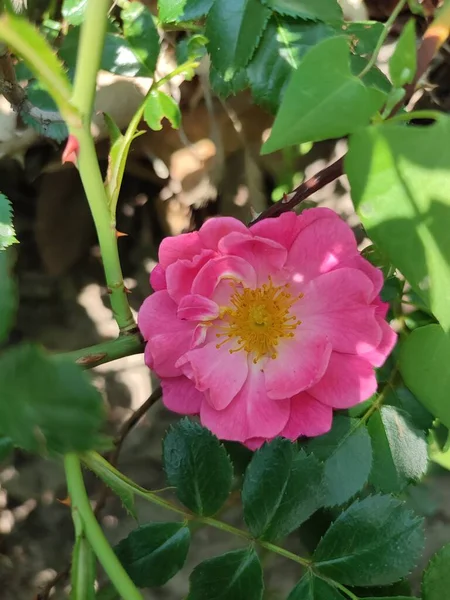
318	108
54	409
235	575
436	578
6	447
400	453
73	11
158	106
280	51
234	29
7	233
310	587
154	553
141	34
403	62
412	231
376	541
424	361
8	296
318	10
198	466
281	489
345	449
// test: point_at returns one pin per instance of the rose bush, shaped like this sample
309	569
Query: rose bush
263	331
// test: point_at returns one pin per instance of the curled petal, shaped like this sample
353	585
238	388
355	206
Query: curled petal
197	308
308	417
319	248
216	270
216	228
251	413
378	355
184	246
158	278
181	396
347	381
217	372
181	274
300	363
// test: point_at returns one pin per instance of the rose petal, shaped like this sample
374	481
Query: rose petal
300	363
158	278
181	396
375	275
216	371
184	246
224	267
181	274
347	381
213	230
265	256
197	308
319	248
378	356
308	417
251	413
336	305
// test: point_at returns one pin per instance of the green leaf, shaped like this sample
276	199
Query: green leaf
280	51
183	10
410	164
7	233
403	62
8	296
198	466
227	88
393	598
401	397
54	408
364	35
281	489
311	587
234	29
376	541
330	106
141	34
6	447
436	577
118	154
347	454
154	553
318	10
83	570
73	11
118	57
43	115
159	106
236	575
28	43
191	48
400	454
424	360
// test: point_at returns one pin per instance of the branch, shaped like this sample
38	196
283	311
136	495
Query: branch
124	345
16	95
304	190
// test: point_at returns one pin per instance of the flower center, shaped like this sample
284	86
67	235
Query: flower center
258	319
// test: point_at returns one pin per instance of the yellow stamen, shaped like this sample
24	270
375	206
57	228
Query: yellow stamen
257	319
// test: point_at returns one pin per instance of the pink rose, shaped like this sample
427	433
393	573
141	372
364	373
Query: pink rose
263	331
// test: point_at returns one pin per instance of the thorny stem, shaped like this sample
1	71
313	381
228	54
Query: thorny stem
94	534
88	62
106	352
